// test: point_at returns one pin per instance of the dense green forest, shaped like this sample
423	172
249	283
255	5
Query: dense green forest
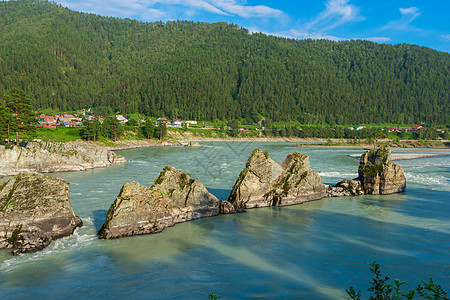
69	60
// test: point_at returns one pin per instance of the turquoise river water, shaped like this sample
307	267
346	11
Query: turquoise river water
311	251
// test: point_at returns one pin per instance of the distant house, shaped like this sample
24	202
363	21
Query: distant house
405	129
41	116
393	130
163	120
121	119
357	128
177	123
99	118
66	115
190	122
50	119
418	127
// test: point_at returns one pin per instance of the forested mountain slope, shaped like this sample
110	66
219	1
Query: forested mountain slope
71	60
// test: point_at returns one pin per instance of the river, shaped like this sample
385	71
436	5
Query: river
311	251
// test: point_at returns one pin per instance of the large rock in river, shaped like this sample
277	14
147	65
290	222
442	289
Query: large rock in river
34	210
174	197
379	175
263	182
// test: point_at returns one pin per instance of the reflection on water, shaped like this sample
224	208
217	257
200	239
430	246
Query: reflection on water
309	251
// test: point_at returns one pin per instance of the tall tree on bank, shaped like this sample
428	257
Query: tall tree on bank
149	128
21	118
5	122
161	131
91	130
112	128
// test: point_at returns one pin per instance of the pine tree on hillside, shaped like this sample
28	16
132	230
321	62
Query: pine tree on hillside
18	105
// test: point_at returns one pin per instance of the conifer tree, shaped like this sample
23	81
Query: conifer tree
149	128
18	105
112	128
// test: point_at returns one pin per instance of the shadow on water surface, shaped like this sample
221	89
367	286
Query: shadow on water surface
99	218
221	194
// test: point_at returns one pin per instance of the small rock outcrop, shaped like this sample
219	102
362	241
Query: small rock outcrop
263	182
175	197
377	175
345	188
34	210
226	207
40	157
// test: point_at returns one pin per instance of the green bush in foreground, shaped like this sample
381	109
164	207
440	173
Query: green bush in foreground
382	289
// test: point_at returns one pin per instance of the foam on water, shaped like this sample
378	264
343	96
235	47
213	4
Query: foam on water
338	174
427	179
140	162
63	245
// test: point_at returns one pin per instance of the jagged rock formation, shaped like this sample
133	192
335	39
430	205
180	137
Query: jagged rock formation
34	210
377	175
263	182
175	197
39	157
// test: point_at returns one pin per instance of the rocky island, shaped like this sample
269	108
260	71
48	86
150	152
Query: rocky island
377	175
34	210
40	157
175	197
263	182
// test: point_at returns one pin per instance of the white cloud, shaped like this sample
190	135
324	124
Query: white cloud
410	11
446	37
115	8
404	23
173	9
378	39
240	9
336	13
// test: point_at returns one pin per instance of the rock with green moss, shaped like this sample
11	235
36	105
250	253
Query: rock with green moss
175	197
34	210
379	175
263	182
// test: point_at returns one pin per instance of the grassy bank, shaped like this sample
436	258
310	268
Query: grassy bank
136	134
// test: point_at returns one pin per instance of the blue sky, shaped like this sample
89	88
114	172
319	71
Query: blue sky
421	22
